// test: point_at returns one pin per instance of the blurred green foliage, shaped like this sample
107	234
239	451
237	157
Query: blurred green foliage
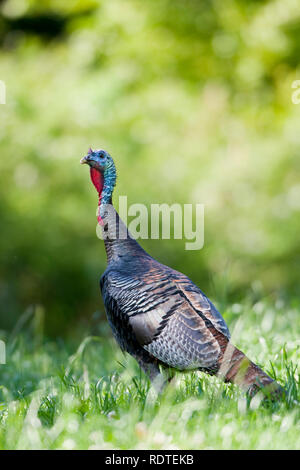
192	99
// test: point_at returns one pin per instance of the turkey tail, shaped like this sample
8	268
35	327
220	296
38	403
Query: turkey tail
235	367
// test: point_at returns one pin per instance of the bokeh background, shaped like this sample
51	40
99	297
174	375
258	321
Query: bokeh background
192	99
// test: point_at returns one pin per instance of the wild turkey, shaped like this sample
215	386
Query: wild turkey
157	314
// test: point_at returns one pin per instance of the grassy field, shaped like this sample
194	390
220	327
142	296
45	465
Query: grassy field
57	395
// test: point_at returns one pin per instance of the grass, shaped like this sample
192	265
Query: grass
55	396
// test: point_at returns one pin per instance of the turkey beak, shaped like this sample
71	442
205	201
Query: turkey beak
85	160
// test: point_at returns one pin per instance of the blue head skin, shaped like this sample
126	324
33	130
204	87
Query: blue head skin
103	176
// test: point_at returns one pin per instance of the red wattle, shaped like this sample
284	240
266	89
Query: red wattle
97	180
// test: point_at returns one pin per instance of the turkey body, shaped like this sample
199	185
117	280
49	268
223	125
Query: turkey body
157	314
161	315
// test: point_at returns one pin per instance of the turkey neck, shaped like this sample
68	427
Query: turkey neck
118	241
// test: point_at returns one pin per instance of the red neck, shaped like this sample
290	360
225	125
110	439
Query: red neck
98	181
